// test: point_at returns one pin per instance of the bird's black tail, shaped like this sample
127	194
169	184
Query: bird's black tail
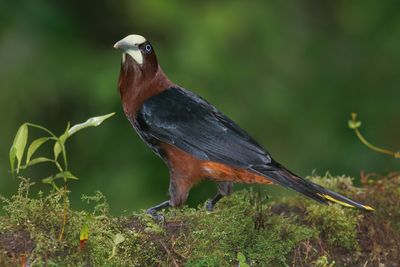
286	178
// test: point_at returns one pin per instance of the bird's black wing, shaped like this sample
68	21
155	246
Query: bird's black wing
183	119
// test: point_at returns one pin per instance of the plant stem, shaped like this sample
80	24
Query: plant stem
58	166
65	212
64	152
371	146
41	128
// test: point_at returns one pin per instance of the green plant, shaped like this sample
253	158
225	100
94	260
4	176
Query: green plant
354	124
241	260
17	152
296	231
118	239
324	262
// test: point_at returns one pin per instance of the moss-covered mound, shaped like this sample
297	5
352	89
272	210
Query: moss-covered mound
245	230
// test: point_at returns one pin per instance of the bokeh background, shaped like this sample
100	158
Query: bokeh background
289	73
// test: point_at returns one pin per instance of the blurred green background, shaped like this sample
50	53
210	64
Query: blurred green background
289	73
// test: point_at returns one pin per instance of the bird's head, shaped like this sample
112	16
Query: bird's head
138	51
141	77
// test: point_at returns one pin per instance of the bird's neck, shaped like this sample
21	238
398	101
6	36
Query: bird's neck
137	85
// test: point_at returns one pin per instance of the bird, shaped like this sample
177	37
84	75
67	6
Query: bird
195	139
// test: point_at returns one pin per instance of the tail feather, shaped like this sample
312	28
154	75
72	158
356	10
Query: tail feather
286	178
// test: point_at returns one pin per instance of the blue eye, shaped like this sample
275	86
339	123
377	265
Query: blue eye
148	48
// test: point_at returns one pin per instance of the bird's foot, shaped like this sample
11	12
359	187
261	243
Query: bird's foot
157	217
209	205
153	211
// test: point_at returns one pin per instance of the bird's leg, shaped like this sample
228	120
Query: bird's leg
211	202
178	192
224	189
153	210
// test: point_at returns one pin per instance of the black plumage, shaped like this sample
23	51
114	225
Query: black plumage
183	119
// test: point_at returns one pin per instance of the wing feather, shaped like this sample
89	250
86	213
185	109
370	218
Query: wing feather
185	120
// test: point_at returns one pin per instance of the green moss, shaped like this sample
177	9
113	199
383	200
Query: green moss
336	225
287	232
239	225
41	217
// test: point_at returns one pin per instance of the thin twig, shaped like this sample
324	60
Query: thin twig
375	148
169	254
355	125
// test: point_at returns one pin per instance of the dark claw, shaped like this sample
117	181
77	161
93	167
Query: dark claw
157	217
209	205
153	211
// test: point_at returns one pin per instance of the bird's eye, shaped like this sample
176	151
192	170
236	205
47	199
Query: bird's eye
148	48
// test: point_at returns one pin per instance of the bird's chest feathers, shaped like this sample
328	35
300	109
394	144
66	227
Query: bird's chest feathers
134	93
131	102
135	90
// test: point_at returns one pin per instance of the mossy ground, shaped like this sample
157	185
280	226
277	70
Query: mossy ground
245	229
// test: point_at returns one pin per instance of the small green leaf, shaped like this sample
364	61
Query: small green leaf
34	146
38	160
48	180
84	234
34	162
57	148
18	147
118	239
59	145
354	124
242	260
13	152
240	257
66	175
92	122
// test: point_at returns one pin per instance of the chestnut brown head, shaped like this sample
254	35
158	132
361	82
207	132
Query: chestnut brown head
139	52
